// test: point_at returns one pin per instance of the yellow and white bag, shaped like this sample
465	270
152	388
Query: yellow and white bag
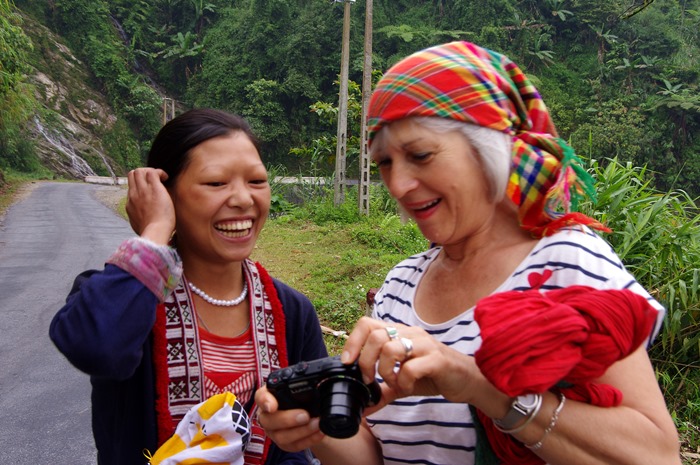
214	431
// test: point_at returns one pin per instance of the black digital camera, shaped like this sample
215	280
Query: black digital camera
328	389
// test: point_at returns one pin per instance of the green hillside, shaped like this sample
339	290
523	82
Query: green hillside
621	77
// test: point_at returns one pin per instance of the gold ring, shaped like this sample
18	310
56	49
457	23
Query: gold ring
392	332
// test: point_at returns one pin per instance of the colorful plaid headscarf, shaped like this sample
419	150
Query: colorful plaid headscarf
468	83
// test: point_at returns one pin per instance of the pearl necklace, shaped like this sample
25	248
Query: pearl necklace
220	303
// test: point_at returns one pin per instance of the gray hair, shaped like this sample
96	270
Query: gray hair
493	148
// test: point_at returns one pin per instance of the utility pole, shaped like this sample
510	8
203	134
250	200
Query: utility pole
363	193
341	148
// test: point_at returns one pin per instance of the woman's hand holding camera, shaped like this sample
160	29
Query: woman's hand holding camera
411	362
292	430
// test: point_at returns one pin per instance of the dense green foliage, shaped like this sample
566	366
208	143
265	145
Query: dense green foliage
16	101
621	77
13	47
256	66
657	236
89	25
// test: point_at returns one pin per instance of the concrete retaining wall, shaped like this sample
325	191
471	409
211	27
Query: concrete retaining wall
105	180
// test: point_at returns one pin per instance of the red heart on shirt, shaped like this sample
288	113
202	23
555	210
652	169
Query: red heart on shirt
536	280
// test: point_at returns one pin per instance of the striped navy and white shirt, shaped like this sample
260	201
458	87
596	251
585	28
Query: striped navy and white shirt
433	431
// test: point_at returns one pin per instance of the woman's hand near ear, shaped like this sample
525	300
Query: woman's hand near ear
149	206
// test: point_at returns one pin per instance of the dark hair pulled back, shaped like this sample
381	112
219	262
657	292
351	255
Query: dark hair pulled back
171	147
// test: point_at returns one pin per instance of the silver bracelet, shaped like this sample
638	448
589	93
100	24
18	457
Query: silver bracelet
552	424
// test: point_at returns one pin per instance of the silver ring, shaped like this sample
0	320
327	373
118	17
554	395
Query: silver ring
407	346
392	332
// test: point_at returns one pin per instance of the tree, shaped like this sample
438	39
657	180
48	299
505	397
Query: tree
16	100
14	45
294	50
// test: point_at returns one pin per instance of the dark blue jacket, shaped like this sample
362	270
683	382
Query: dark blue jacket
105	331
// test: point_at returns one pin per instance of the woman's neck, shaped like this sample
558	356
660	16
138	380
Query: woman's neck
501	233
221	281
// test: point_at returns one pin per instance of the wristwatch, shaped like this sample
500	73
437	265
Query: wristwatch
522	411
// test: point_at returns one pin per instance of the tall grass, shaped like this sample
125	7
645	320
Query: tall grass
657	236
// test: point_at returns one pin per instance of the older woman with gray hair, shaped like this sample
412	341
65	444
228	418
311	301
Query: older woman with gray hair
519	337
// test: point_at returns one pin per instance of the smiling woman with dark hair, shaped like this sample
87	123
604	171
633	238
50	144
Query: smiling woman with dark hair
181	314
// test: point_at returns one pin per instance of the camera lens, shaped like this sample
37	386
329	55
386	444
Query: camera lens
342	402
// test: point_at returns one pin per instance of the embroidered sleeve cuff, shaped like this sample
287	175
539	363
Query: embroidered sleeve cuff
158	267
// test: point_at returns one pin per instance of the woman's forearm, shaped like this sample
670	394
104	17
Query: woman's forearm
361	448
637	432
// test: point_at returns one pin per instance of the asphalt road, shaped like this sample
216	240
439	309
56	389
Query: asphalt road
46	239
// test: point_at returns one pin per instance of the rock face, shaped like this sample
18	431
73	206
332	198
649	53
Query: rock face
67	131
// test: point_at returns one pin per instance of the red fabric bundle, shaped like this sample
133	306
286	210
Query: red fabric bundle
562	339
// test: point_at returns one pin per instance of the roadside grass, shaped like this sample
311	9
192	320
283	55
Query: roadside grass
12	186
329	264
7	195
680	386
121	207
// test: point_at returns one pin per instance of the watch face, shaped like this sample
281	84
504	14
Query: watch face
528	400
